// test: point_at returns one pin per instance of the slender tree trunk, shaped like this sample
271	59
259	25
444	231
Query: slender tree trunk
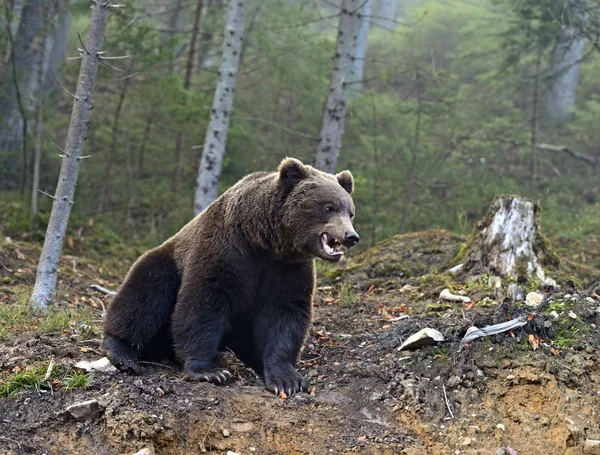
534	121
209	171
412	172
187	83
113	144
376	176
57	44
45	282
561	97
147	129
358	72
39	127
334	114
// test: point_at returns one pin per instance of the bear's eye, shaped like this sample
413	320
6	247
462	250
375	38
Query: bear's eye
351	214
329	208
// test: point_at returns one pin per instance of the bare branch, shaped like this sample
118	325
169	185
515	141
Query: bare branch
110	66
99	288
124	28
569	151
46	194
116	79
54	144
113	58
82	45
63	89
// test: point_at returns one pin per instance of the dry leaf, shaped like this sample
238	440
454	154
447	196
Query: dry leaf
385	327
533	341
593	294
83	349
20	255
283	395
328	300
512	335
370	288
70	242
554	351
313	391
362	438
531	316
511	451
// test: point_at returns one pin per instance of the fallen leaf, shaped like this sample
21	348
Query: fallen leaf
20	255
313	391
282	395
511	451
512	335
593	294
469	305
533	341
70	242
370	288
531	316
83	349
362	438
385	327
328	300
554	351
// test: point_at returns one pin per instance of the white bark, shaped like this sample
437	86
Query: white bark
385	13
45	283
561	97
215	141
504	243
340	85
358	72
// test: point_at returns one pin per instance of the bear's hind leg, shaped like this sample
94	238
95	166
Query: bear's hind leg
141	309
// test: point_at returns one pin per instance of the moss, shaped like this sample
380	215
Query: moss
460	255
544	250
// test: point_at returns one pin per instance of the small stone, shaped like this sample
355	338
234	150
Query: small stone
554	314
515	293
501	427
145	451
84	410
500	451
572	315
225	432
494	282
466	442
138	383
103	365
510	377
533	299
589	300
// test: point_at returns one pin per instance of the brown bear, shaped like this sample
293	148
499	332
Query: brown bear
240	275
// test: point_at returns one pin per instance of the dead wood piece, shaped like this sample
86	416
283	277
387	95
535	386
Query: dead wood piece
474	332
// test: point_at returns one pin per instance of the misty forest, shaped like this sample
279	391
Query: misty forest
465	321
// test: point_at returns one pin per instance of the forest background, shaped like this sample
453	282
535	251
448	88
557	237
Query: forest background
458	101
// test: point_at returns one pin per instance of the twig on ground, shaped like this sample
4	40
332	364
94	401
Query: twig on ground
447	402
156	364
99	288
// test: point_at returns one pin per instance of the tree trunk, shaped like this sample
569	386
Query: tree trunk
508	242
215	141
57	45
561	97
534	121
412	172
187	83
17	98
45	282
334	114
39	127
358	72
113	143
385	13
375	204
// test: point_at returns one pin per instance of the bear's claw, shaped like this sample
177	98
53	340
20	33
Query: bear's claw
290	383
212	376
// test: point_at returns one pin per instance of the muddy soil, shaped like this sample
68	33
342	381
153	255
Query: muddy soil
495	394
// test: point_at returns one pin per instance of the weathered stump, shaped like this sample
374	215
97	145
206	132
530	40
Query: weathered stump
508	242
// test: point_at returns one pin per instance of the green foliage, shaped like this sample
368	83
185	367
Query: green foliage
77	380
29	379
347	294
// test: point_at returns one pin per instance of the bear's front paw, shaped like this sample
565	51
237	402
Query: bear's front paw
214	376
286	380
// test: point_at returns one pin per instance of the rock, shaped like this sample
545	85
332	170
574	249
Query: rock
591	447
501	427
423	337
103	365
145	451
447	295
515	293
494	282
85	410
500	451
554	314
467	442
572	315
533	299
225	432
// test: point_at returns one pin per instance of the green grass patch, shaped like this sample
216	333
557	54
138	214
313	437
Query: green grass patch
77	380
347	294
31	378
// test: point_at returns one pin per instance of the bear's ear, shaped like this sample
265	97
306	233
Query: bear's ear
291	171
345	179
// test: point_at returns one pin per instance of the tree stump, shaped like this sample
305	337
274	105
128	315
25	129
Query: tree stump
508	242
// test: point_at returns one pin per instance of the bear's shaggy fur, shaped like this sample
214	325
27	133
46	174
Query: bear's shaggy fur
240	275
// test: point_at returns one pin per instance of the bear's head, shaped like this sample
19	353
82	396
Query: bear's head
317	210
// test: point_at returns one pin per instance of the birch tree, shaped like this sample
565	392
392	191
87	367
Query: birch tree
45	282
187	84
342	78
215	140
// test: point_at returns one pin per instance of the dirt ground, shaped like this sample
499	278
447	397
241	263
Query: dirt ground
495	395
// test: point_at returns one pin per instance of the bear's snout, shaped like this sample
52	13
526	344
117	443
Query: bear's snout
351	239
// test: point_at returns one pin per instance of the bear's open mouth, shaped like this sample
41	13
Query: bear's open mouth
331	245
